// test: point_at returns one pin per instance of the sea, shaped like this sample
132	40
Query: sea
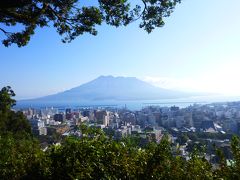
132	105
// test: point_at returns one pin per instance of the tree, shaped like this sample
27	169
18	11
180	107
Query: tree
6	101
72	18
182	138
21	157
11	121
93	156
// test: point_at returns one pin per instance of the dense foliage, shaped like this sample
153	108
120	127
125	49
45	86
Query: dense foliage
72	18
11	121
20	153
97	156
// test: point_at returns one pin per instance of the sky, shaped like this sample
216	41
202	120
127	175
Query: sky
198	49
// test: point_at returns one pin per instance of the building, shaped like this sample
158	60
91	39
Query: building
69	114
58	117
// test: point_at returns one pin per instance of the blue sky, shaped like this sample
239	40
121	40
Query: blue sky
197	50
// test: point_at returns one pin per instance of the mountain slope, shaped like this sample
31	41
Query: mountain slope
109	88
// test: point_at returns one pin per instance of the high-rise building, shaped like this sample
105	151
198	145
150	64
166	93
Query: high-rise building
69	114
58	117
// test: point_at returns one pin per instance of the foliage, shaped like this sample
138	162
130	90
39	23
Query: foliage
72	18
198	167
11	121
20	154
204	135
19	157
161	164
6	101
96	156
182	139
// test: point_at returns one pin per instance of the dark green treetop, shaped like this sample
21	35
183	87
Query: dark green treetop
10	121
6	101
72	18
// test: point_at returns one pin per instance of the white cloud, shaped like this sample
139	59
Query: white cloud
172	83
223	79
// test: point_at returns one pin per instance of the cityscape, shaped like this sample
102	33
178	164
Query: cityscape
209	124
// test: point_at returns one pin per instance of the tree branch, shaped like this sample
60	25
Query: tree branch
11	14
144	10
5	32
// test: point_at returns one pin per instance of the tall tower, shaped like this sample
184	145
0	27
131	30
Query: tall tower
68	114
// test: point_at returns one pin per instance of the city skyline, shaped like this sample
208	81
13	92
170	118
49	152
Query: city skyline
197	50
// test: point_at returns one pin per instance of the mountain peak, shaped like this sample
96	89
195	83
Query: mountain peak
110	88
111	76
105	77
114	77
